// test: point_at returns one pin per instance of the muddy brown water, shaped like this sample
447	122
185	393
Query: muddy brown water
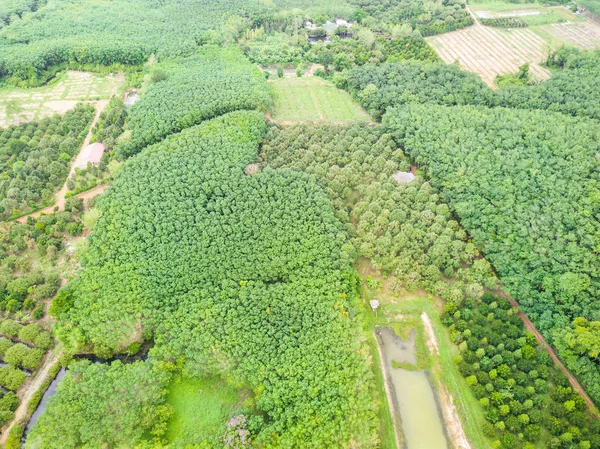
422	424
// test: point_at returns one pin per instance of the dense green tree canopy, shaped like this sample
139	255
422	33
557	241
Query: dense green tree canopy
203	86
525	185
379	87
35	158
241	274
103	405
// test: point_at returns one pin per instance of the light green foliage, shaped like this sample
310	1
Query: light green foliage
22	356
203	86
36	158
201	408
15	9
29	332
579	345
402	228
103	405
379	87
10	328
309	99
244	275
527	198
11	378
115	32
5	343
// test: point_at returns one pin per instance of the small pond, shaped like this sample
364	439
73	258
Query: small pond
422	424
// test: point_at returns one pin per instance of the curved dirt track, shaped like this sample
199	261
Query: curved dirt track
542	342
60	199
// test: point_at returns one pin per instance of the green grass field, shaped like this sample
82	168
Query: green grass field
312	99
201	409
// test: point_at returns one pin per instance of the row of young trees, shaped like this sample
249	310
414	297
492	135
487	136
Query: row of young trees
35	158
22	245
573	89
188	91
406	231
245	276
524	184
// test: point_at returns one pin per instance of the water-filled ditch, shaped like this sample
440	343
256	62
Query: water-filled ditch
414	396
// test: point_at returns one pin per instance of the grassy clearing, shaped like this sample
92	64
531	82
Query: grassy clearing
312	99
404	314
62	94
547	15
551	15
201	409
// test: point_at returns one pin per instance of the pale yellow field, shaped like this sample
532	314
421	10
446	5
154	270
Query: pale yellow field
25	105
490	52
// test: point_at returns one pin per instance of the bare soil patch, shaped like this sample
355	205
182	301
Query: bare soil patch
491	52
585	35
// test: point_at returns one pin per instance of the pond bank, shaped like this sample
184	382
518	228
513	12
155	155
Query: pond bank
415	401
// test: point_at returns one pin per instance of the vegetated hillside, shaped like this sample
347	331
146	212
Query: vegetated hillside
525	185
244	276
88	394
11	10
35	158
190	90
379	87
407	232
574	88
106	32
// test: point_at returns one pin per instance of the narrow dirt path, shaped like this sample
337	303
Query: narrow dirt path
451	417
28	389
60	199
543	343
388	391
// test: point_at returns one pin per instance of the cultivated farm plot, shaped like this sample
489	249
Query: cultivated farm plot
312	99
490	52
25	105
583	34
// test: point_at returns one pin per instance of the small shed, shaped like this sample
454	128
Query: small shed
403	177
92	153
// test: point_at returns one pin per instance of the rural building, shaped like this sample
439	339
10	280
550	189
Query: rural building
403	177
92	153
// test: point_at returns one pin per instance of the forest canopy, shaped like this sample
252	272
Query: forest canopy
525	186
244	275
190	90
104	405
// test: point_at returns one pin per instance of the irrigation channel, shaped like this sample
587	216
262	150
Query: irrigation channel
51	390
414	397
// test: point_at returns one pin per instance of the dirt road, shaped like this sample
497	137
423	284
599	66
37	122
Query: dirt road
29	388
60	199
542	342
